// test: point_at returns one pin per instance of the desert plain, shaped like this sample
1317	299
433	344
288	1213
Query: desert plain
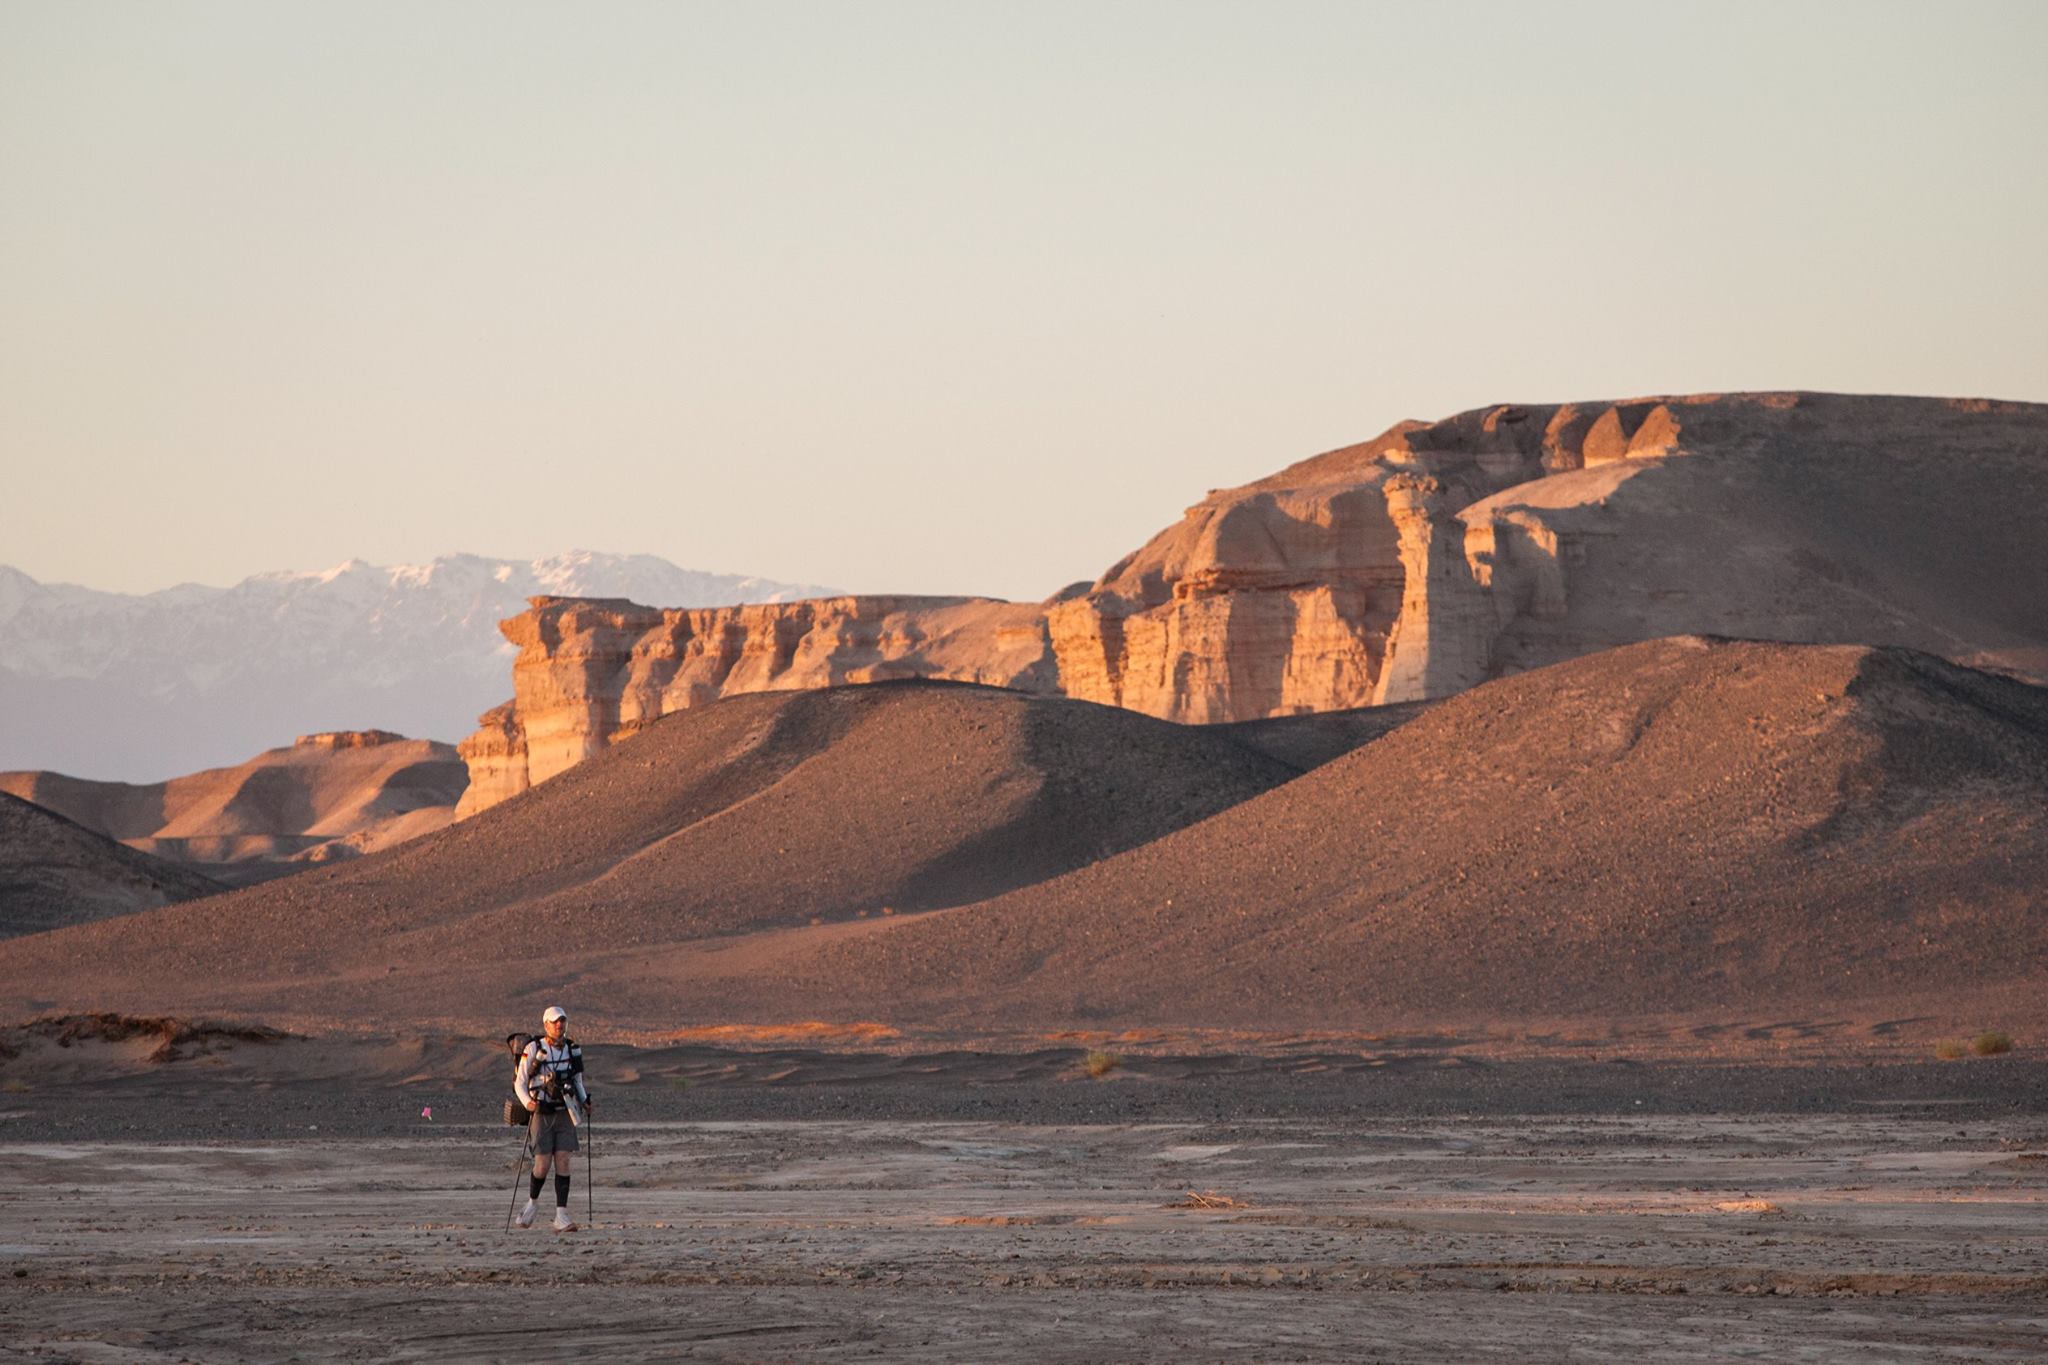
1556	883
1799	1190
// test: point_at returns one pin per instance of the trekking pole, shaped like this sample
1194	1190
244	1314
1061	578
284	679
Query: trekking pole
516	1177
589	1172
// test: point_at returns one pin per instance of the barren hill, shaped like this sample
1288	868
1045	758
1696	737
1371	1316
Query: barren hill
329	796
1685	826
53	873
768	811
1679	825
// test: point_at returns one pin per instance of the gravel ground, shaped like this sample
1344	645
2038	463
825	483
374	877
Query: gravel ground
182	1103
1667	1236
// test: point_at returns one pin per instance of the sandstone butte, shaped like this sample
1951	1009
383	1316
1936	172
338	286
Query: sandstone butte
1410	567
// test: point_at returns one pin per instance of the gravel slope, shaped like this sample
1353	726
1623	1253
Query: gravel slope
54	873
1688	827
765	811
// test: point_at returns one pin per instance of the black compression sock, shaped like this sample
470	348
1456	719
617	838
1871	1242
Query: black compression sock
561	1191
533	1190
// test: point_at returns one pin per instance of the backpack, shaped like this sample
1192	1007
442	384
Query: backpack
515	1112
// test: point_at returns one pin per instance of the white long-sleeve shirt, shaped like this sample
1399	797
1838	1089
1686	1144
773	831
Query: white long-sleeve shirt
564	1060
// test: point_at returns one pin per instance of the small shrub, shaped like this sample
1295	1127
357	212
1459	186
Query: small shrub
14	1085
1100	1064
1949	1049
1991	1043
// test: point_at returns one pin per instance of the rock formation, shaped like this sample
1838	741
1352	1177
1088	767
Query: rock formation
334	740
592	671
1410	567
330	795
1439	643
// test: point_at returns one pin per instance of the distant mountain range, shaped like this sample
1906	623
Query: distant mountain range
141	687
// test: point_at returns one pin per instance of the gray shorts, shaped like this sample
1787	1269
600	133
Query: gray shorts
551	1132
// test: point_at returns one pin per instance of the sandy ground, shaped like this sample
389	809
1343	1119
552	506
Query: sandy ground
1898	1229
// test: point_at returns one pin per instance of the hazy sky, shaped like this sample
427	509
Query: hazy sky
948	297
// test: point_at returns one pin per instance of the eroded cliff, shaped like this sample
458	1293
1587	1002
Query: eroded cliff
1408	567
593	671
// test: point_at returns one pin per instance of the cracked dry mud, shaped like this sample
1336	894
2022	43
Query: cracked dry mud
1817	1237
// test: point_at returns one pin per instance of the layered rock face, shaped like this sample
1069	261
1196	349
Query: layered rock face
593	671
348	739
1409	567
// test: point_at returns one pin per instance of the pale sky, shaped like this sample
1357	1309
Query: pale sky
946	297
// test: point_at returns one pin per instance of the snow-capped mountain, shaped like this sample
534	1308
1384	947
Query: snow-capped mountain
141	687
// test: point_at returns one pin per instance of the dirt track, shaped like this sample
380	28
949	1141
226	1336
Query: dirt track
1828	1237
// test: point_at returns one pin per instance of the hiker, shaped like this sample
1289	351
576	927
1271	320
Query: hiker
549	1082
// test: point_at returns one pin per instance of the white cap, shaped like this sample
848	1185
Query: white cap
552	1013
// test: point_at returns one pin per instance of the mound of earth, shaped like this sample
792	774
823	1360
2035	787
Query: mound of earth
328	796
768	811
1687	827
1311	740
1681	825
150	1040
54	873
